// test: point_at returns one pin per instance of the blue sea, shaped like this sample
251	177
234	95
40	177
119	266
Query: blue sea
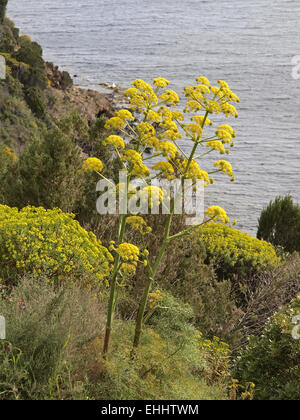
249	43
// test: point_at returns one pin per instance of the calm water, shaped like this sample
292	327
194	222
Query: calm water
249	43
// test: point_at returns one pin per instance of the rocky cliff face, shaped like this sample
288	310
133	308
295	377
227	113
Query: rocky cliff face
35	93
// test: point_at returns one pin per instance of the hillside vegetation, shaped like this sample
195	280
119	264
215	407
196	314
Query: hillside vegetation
213	290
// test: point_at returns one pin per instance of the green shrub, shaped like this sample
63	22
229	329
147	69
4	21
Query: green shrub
35	100
187	277
279	224
54	350
235	253
47	173
17	123
34	240
3	4
272	361
162	368
46	330
66	81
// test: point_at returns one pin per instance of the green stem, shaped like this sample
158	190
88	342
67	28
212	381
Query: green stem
113	286
152	273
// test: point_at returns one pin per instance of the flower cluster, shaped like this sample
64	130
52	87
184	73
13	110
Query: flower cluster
35	240
139	224
217	214
92	164
237	249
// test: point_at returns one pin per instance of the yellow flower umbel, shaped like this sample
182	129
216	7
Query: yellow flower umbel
165	169
139	224
160	82
129	255
152	195
115	141
225	167
124	115
92	164
216	213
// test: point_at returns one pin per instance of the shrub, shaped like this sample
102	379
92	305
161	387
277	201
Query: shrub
272	361
164	367
274	289
66	81
35	100
279	224
46	329
30	53
35	240
235	252
3	4
47	173
187	277
17	123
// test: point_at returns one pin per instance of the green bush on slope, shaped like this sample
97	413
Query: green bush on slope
54	341
272	361
279	224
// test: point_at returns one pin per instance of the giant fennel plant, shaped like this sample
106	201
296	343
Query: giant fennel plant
163	128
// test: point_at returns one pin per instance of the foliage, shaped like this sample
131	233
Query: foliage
46	329
35	100
155	104
163	367
66	81
48	172
186	275
235	252
272	361
3	4
279	224
34	240
18	124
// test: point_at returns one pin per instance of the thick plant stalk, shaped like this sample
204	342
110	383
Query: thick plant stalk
152	272
113	286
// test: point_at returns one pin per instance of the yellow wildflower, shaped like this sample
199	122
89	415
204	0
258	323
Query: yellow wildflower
92	164
216	145
228	110
153	116
203	80
168	149
124	114
225	167
170	97
128	252
116	141
165	168
139	224
161	82
199	120
217	214
193	106
114	123
194	129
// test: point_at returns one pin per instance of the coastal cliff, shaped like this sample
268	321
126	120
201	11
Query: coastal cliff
37	93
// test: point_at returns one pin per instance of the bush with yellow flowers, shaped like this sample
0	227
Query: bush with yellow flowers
36	240
236	252
163	128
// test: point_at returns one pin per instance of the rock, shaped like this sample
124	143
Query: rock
89	103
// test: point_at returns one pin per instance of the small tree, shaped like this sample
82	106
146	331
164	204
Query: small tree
3	4
279	224
48	171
